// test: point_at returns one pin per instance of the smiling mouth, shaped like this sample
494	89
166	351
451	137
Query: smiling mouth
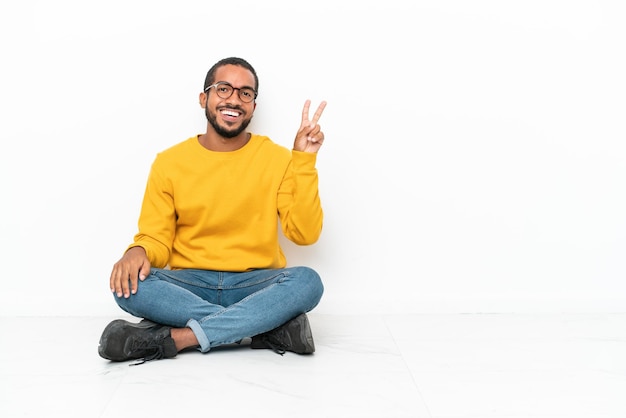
230	113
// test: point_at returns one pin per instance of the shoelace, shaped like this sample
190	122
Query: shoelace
278	348
157	346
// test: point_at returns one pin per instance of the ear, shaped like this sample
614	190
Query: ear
202	100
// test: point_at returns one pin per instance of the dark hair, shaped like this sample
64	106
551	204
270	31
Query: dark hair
210	76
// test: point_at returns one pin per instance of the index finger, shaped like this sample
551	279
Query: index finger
316	116
318	113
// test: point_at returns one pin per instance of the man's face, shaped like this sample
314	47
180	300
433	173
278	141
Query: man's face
231	116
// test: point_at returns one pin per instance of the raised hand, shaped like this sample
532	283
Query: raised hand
310	136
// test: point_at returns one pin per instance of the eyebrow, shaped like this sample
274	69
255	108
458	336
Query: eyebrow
242	87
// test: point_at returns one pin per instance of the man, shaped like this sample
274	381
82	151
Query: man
206	268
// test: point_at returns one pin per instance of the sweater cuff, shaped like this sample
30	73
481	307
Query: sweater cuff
301	159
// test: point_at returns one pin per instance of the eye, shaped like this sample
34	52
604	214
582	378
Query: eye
224	88
249	94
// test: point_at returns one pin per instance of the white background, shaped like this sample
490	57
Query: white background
475	156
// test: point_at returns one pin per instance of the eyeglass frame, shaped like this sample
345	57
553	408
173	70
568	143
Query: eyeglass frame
219	83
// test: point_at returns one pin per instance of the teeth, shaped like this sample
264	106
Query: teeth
230	113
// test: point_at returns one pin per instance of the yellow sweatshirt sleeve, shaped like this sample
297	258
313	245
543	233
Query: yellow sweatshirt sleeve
299	203
158	217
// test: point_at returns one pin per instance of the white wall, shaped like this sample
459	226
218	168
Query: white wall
475	156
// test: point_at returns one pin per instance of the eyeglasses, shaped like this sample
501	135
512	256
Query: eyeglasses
225	90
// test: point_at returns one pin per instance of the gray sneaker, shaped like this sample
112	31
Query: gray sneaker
123	340
294	335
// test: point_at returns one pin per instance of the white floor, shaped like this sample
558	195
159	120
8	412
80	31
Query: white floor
381	366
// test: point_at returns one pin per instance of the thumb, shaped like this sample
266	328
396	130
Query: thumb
144	272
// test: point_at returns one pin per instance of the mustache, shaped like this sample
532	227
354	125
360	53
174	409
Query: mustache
231	107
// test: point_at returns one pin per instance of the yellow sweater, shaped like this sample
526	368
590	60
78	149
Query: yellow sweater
220	210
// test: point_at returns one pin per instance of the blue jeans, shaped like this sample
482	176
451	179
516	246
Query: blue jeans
224	307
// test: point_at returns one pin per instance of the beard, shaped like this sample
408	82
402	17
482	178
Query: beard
226	133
